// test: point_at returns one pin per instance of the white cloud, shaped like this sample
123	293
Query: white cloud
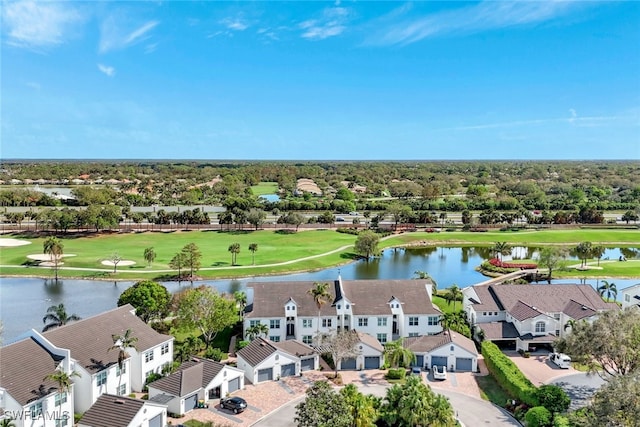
398	28
33	85
332	23
35	24
109	71
236	24
113	37
589	121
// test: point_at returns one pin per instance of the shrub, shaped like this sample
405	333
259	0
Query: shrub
561	421
553	398
538	416
214	354
396	374
241	344
508	375
132	395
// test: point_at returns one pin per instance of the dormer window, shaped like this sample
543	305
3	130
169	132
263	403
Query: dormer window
346	306
338	306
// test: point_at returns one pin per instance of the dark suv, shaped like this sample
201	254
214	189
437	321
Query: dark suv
236	404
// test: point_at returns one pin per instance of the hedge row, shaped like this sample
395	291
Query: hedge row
508	375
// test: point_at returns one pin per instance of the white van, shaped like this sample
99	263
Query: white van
561	360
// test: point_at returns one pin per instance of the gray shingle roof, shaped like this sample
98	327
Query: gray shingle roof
23	367
294	347
370	341
499	330
522	311
367	297
578	311
427	343
189	377
257	351
112	411
90	339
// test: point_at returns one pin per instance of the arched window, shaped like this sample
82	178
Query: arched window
540	327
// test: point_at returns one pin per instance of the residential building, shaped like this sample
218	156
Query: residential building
264	360
384	309
119	411
195	380
370	354
448	348
25	395
631	296
526	316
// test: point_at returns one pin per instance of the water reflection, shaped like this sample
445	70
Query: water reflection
53	287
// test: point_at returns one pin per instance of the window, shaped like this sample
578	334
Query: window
382	338
338	306
274	324
346	318
540	327
101	378
307	339
122	389
253	323
451	348
36	410
363	321
275	338
432	320
413	334
382	321
556	316
307	323
148	356
62	421
557	332
61	398
164	349
326	323
121	371
347	306
627	298
495	313
413	321
484	313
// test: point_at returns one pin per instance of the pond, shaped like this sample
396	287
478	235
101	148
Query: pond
24	301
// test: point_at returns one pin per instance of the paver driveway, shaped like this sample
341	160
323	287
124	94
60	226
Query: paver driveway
538	368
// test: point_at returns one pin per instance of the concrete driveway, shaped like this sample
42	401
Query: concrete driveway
580	387
538	368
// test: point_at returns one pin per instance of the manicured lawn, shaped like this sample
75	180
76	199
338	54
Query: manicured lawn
490	390
444	305
264	187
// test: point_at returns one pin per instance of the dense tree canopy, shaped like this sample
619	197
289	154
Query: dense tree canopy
150	299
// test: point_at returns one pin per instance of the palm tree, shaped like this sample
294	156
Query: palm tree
571	323
501	248
234	248
597	252
448	320
423	275
253	247
149	255
7	422
398	355
583	250
57	316
63	381
240	298
453	294
54	248
257	330
609	289
321	295
122	343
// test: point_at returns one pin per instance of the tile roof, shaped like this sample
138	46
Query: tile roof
23	367
499	330
369	297
522	311
112	411
189	377
90	339
257	351
578	311
427	343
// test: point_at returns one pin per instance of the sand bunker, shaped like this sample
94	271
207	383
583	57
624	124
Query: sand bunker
9	243
49	264
45	257
122	263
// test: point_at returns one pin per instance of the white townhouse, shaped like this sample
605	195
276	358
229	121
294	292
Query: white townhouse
528	316
448	348
25	395
631	296
89	342
264	360
384	309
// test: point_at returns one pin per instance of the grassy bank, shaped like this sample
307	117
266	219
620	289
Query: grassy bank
279	252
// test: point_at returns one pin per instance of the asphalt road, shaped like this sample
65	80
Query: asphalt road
580	388
471	411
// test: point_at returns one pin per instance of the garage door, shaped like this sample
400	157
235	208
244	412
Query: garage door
191	402
464	364
348	364
288	370
308	364
156	421
419	361
439	360
234	385
265	375
372	362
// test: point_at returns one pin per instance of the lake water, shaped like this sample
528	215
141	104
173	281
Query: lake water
24	301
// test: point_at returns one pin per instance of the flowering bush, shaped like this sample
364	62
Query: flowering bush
497	263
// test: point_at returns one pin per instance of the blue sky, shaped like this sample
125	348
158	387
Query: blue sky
321	80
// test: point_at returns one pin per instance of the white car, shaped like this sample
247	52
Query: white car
439	372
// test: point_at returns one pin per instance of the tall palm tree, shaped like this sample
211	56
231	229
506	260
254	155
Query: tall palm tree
240	298
257	330
321	295
398	355
253	247
57	316
609	289
423	275
122	343
53	247
453	294
63	381
501	248
234	248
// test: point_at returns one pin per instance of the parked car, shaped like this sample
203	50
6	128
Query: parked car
561	360
235	404
339	219
415	370
439	372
